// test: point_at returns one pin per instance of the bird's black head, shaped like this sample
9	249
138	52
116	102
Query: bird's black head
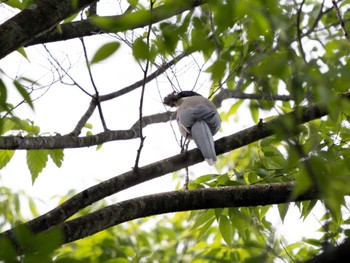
172	99
187	93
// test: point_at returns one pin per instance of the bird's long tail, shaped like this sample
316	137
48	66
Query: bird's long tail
203	138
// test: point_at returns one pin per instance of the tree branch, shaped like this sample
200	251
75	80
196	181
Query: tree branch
83	120
87	27
34	21
175	201
165	166
301	115
66	141
236	94
150	77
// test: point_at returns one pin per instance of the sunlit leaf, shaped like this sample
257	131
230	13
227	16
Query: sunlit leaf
5	157
22	51
105	51
254	111
36	161
205	217
3	95
24	93
283	209
226	229
140	49
57	156
7	251
204	228
88	125
14	3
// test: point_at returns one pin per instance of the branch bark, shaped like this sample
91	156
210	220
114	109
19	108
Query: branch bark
72	141
36	20
175	201
236	94
87	27
165	166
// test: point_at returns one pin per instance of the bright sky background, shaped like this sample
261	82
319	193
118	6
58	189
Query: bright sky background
62	106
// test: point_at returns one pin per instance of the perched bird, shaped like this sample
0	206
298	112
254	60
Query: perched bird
198	119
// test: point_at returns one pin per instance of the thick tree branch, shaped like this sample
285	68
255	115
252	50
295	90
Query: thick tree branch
165	166
37	19
66	141
126	21
176	201
237	196
255	133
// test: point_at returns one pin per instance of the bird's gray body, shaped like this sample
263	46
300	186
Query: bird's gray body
199	120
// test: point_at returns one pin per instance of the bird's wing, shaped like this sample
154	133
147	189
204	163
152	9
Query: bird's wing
204	113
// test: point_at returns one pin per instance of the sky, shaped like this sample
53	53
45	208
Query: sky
61	106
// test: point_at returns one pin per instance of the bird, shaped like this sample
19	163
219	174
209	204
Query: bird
198	119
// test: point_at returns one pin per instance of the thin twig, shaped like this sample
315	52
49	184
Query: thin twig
144	81
65	72
149	78
341	21
287	252
299	31
97	96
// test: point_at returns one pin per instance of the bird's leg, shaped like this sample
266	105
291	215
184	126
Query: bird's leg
184	144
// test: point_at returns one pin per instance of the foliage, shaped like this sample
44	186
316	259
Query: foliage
266	48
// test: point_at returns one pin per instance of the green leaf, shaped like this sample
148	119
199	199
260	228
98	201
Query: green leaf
3	95
118	260
133	2
22	51
140	49
313	241
307	207
217	70
254	111
124	22
7	251
205	217
170	37
24	93
204	229
218	212
33	208
5	157
36	161
225	228
204	178
13	3
88	125
232	110
98	147
105	51
283	209
57	156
